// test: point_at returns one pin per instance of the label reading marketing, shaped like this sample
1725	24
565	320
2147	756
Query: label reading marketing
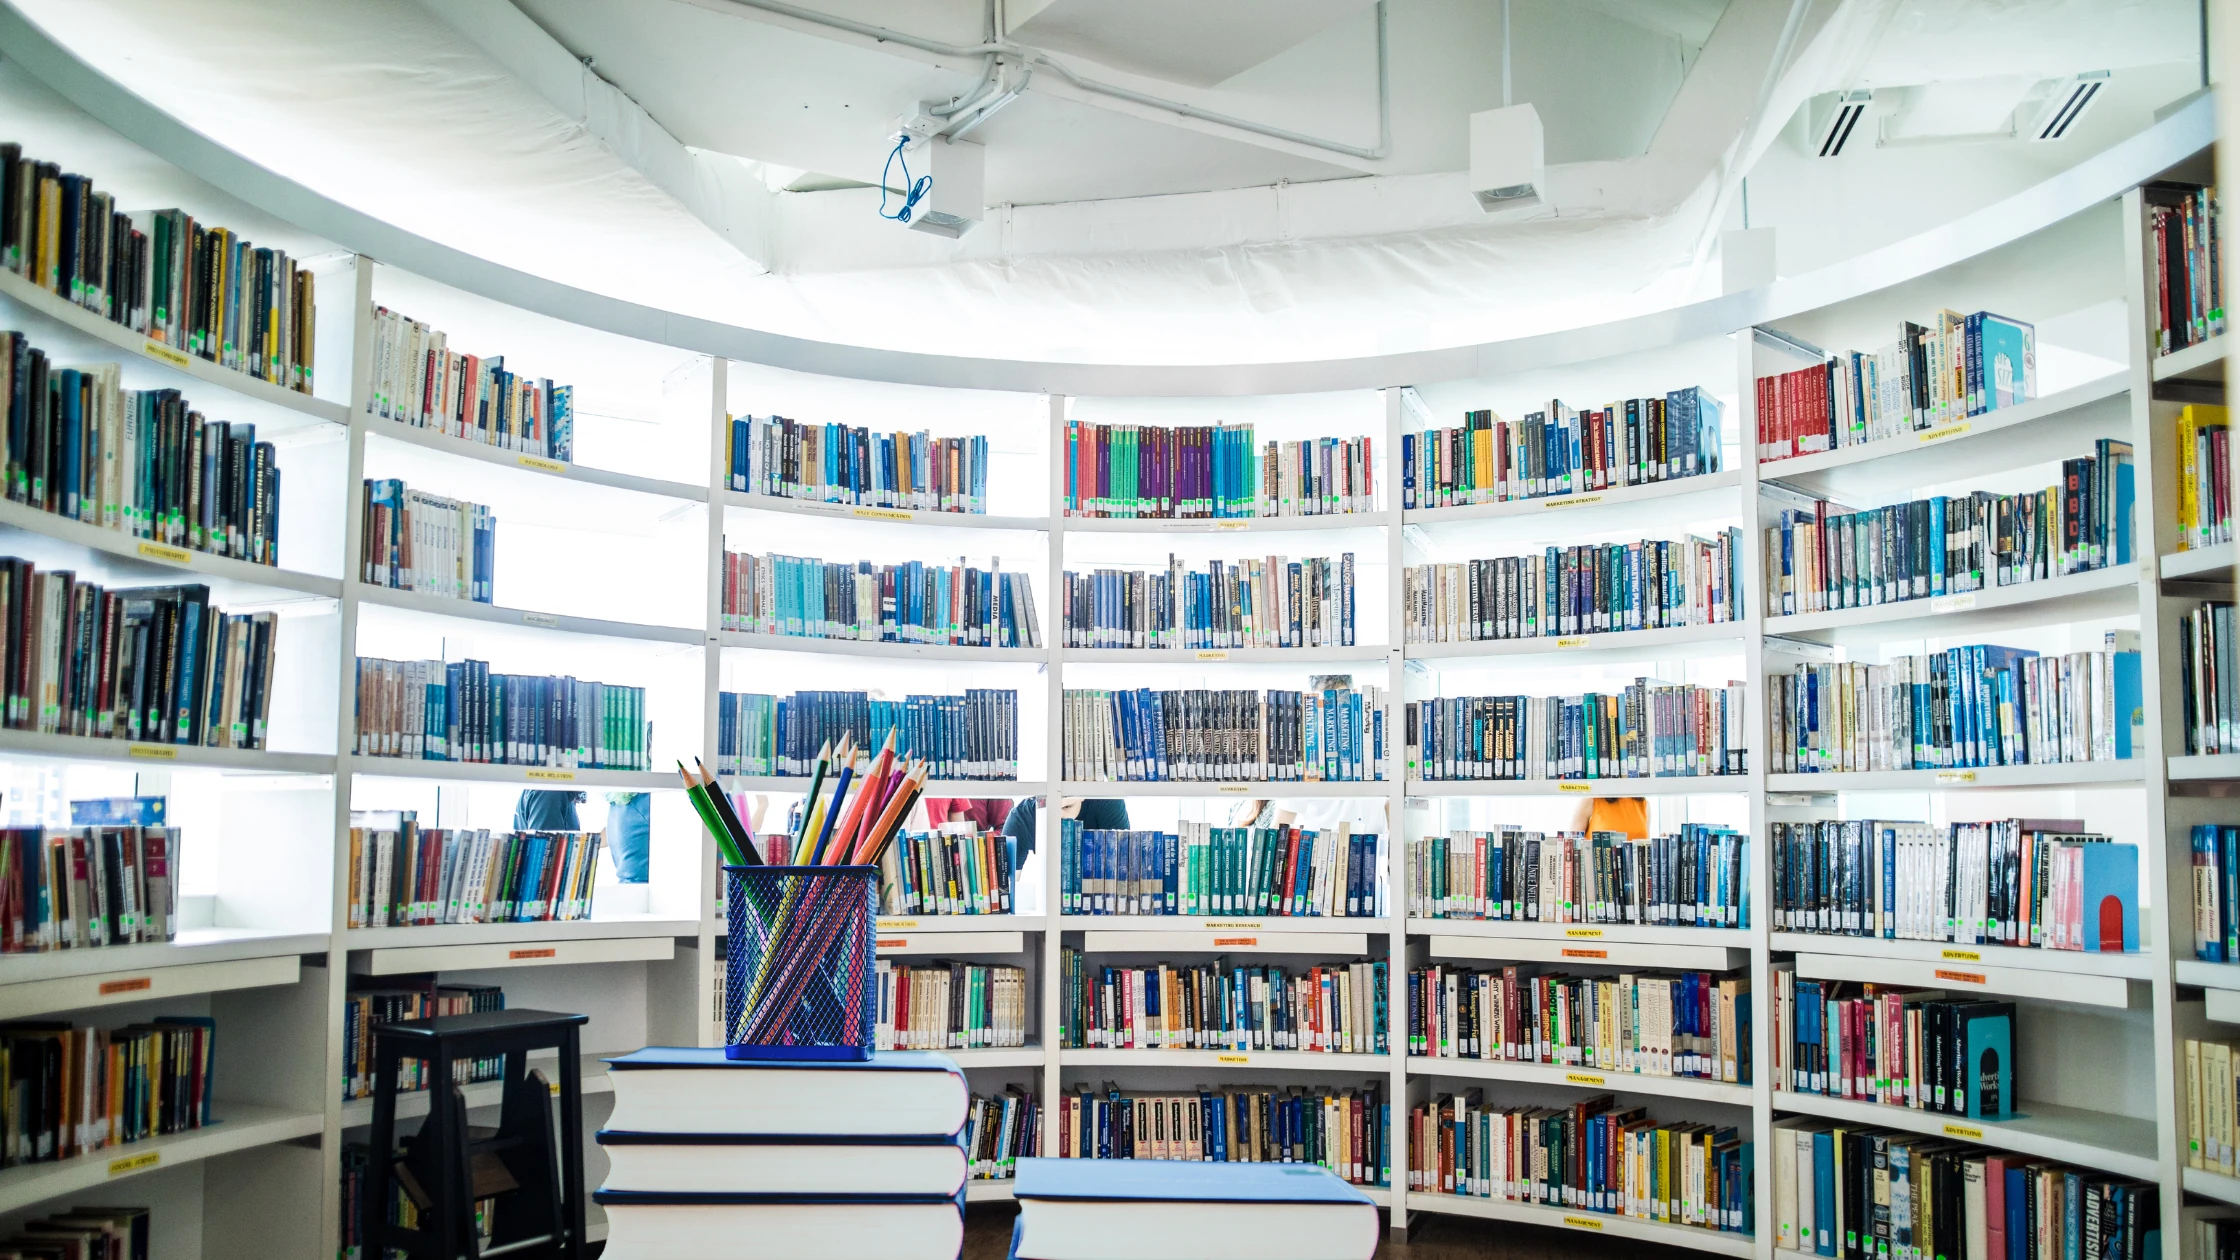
1576	788
1213	656
1232	1058
1956	776
1572	641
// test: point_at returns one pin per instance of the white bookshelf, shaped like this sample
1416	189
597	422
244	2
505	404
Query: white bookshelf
646	972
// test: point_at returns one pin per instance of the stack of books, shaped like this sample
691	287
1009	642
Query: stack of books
708	1155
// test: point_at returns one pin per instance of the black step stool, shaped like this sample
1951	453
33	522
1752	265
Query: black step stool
543	1217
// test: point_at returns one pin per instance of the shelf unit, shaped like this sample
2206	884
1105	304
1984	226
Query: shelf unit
669	953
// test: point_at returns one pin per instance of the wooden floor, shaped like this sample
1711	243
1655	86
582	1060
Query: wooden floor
1431	1236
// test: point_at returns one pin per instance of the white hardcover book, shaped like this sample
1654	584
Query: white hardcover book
661	1090
651	1162
862	1230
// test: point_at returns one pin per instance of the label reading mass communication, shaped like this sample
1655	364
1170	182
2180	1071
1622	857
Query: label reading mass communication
885	514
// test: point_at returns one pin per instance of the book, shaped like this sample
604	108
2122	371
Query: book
1000	1130
119	811
194	288
1561	450
912	602
1587	1155
833	463
931	1166
1894	1046
783	1227
1693	1024
974	735
460	711
1201	472
950	1006
1698	877
1941	373
1979	705
84	1233
2107	898
77	1090
416	541
152	664
1649	729
1270	602
2208	704
1334	1009
1331	733
1231	1212
685	1090
1602	588
420	381
87	886
2203	446
1200	869
2186	287
1986	1035
403	875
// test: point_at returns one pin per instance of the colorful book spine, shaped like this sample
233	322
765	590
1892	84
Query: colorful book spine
80	1090
2183	266
415	541
404	875
1000	1130
375	1000
1647	730
1125	471
1693	1024
1936	374
1698	877
2209	710
948	872
2216	892
970	736
1331	734
1342	1130
420	381
1562	451
1595	589
951	1006
1200	869
1334	1009
86	887
959	605
461	711
1894	1047
832	463
1271	602
2204	480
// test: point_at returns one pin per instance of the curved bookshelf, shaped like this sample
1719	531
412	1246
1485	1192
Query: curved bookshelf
239	1127
779	784
1231	1060
532	465
201	960
1255	790
1717	1242
873	647
2092	595
133	752
522	776
749	502
1595	933
1580	1078
1224	525
2212	564
1674	785
498	614
2060	775
2094	1139
230	580
1602	503
2203	362
1233	656
1667	643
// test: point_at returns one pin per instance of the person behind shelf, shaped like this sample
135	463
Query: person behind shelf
1626	815
547	809
984	813
629	830
1094	814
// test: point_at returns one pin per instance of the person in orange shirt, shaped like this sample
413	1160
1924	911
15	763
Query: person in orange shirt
1626	815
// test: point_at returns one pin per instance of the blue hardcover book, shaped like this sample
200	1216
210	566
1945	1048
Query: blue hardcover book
1987	1040
118	811
2008	361
1823	1194
2110	897
2130	705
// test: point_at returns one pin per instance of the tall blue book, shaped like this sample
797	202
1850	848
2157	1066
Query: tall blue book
811	1161
1094	1209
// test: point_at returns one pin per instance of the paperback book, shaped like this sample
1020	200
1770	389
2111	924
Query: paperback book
832	463
404	875
1945	372
1693	1024
1340	1129
970	736
420	381
951	1006
1201	869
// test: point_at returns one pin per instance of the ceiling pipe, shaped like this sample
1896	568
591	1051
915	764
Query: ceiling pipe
1035	57
987	87
987	111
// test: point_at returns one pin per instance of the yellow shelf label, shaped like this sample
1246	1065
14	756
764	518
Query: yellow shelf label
153	752
546	620
1962	955
542	465
1947	431
159	351
1232	1058
1582	1222
1583	1078
135	1163
1576	500
551	776
1231	526
1583	933
158	551
884	514
1581	788
1213	656
1968	1131
1233	789
1956	776
1572	641
1962	602
897	925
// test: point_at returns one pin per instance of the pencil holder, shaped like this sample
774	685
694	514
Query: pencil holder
798	979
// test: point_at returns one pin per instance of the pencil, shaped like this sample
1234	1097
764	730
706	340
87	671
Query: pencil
721	800
725	844
872	788
832	814
808	803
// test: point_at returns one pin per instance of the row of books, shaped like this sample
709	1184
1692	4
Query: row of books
1893	1047
1562	451
1202	869
460	711
142	462
1696	878
1649	730
1253	603
195	288
1198	472
405	875
1831	558
2184	269
417	541
1846	1191
2216	892
87	887
948	872
951	1006
999	1131
2209	705
1326	734
1934	374
2204	450
1336	1009
1979	705
420	381
76	1090
832	463
2018	882
84	1232
1590	1156
2211	1100
912	602
155	664
375	1000
1600	588
969	736
1342	1130
1695	1024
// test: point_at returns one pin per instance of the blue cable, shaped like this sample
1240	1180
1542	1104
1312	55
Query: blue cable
917	191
